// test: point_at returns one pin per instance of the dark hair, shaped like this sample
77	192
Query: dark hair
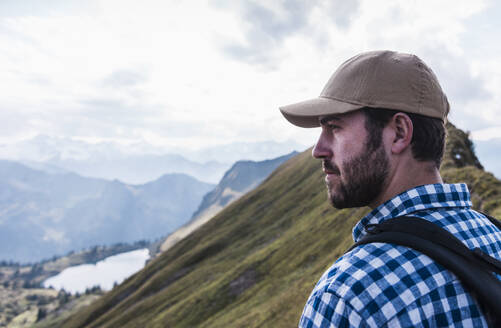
428	139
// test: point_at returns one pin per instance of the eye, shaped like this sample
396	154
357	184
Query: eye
331	125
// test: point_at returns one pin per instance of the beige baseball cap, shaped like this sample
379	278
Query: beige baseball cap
377	79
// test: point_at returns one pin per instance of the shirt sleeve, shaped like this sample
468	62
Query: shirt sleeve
328	310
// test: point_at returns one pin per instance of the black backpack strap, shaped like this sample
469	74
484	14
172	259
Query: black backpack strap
473	268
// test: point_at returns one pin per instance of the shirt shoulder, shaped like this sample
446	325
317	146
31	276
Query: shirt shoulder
379	281
382	284
327	309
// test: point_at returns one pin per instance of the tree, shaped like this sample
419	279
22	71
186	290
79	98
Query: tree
63	297
42	313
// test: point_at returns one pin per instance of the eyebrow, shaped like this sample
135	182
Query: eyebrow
326	119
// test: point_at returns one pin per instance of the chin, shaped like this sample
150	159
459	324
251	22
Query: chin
339	201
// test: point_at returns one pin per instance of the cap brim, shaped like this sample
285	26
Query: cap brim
306	114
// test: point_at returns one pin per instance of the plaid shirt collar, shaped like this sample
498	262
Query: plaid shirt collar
420	198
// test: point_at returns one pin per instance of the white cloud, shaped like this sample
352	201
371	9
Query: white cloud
487	134
199	74
52	235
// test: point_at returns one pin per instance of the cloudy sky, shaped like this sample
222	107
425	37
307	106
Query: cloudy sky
202	73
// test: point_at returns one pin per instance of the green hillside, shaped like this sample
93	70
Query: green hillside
255	263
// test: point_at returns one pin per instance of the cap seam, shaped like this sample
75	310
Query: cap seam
386	105
343	100
421	86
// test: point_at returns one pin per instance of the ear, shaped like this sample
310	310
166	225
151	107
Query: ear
402	131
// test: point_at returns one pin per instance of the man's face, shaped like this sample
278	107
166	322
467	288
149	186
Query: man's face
355	174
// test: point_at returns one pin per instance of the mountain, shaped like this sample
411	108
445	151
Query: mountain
44	214
137	169
137	162
242	177
255	263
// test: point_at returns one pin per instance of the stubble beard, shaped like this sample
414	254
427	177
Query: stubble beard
361	179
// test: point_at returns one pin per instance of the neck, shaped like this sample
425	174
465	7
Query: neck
407	176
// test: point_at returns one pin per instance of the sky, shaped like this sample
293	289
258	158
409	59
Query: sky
202	73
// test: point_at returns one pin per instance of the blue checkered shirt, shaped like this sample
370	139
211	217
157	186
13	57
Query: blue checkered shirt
385	285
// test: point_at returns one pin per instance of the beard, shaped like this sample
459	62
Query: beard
361	180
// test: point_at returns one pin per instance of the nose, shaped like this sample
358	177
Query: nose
321	149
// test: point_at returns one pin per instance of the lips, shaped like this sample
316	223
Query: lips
330	172
328	168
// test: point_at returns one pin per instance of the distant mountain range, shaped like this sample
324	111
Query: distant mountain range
137	162
255	263
137	169
242	177
43	214
46	210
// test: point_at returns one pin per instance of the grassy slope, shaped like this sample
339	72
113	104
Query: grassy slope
55	319
256	262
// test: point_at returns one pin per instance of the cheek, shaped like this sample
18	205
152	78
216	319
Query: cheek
351	147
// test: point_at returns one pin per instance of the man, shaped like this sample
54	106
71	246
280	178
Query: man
382	117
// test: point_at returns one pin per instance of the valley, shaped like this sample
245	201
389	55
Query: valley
21	283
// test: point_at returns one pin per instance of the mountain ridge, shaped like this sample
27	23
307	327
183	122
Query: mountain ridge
242	177
51	209
137	162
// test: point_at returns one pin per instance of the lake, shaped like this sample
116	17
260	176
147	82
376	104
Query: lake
104	273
